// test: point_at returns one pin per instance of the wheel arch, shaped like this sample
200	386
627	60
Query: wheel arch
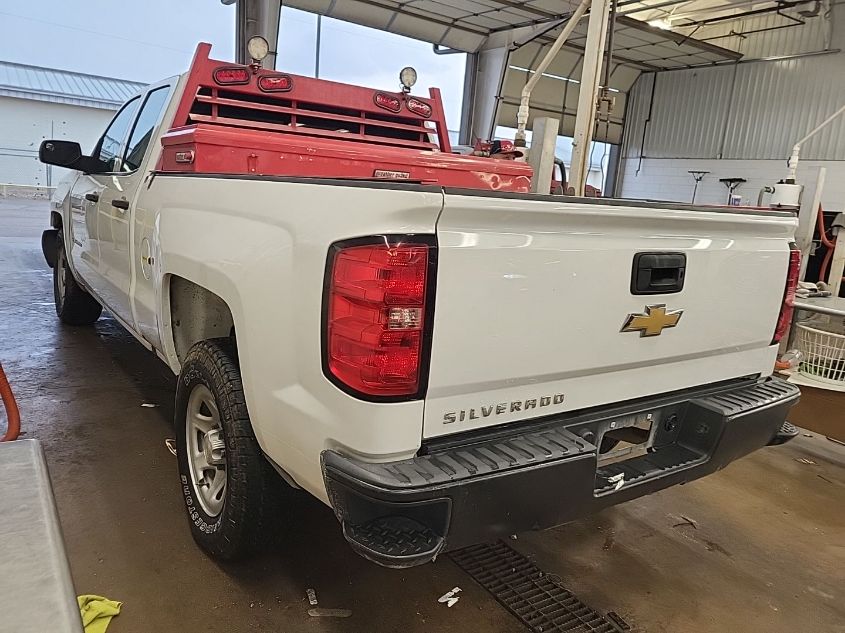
195	313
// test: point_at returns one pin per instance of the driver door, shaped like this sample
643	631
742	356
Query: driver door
86	204
117	203
81	240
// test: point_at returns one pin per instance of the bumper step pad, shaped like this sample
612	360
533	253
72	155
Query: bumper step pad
787	432
395	537
537	599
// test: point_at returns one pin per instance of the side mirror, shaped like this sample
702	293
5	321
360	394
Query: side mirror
68	154
60	153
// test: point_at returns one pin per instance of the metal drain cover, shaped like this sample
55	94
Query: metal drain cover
536	598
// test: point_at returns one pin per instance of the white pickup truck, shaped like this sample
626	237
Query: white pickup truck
406	333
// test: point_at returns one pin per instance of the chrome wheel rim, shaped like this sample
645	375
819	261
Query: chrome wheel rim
206	450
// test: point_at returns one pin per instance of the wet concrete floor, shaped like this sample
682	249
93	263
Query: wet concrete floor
759	546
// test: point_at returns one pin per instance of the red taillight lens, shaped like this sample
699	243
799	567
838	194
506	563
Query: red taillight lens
376	317
388	102
788	306
419	107
275	83
229	76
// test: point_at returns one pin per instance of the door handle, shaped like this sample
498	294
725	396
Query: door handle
92	197
658	273
120	204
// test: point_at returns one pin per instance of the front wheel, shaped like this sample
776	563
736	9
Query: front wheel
227	484
74	306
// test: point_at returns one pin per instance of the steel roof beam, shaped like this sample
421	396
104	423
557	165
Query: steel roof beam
678	38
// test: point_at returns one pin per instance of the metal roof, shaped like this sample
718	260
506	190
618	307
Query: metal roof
637	47
470	25
63	86
527	28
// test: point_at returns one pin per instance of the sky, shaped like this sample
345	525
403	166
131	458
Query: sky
148	40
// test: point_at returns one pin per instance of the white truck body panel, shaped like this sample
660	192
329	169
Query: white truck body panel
267	260
531	297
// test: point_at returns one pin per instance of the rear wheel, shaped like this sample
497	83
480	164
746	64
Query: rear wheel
227	484
74	306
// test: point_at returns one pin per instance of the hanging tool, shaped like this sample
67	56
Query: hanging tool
698	176
732	184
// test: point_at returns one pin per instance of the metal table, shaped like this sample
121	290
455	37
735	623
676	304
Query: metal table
823	305
36	591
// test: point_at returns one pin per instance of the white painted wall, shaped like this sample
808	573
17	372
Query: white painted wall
25	123
669	179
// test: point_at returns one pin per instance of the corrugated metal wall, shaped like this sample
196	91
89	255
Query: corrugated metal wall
689	111
748	111
637	116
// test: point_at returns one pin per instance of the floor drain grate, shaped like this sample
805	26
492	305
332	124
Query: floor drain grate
536	598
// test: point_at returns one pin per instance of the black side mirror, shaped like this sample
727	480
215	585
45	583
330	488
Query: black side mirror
60	153
68	154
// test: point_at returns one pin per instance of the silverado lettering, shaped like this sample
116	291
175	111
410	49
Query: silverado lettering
498	409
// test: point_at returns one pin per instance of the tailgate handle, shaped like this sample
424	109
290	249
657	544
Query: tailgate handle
658	273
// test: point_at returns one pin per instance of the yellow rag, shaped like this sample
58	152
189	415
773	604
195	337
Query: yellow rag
97	612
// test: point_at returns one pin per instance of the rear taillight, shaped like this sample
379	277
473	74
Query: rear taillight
377	308
788	306
275	83
229	75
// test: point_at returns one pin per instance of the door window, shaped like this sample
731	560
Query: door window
111	144
144	126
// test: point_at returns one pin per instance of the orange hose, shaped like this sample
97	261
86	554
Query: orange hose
827	244
820	222
825	263
13	416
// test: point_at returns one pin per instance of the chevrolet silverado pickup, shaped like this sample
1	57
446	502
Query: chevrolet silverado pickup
403	332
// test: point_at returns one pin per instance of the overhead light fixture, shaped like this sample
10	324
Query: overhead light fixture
257	47
662	24
407	77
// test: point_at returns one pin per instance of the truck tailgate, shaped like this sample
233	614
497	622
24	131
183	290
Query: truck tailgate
532	296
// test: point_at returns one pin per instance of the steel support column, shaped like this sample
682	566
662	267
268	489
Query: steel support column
490	71
588	93
541	156
257	17
468	105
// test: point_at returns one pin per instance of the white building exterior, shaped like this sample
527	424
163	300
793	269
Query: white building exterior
41	103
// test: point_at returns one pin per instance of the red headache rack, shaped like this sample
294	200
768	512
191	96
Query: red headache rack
235	119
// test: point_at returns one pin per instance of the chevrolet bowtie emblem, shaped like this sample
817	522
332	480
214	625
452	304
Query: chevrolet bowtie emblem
653	321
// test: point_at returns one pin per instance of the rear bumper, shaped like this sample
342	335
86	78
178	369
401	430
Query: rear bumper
542	473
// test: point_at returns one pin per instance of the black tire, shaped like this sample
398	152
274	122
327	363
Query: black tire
74	306
251	484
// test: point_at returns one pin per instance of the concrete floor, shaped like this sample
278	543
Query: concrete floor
757	547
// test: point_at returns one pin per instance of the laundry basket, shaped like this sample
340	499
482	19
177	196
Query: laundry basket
821	340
